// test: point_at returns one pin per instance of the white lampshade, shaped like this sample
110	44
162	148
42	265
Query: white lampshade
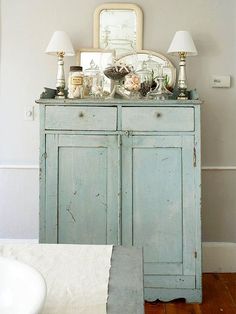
182	42
60	42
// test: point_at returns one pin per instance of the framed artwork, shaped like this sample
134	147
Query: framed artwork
102	58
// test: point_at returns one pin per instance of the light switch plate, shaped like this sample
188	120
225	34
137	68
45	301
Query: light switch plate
29	113
220	81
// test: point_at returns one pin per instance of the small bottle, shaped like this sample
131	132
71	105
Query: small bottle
75	82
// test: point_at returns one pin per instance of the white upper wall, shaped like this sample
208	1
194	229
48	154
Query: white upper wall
28	25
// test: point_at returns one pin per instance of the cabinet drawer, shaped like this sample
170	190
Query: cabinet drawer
158	119
80	118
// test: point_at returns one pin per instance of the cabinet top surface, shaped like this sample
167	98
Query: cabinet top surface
116	102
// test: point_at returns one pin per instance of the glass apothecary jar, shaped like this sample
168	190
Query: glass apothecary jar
145	76
75	82
93	81
132	84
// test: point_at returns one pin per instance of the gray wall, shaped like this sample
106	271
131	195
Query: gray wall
26	27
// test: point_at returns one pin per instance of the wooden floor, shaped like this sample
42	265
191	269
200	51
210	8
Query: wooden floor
219	296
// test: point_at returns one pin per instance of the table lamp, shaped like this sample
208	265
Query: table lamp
60	45
182	45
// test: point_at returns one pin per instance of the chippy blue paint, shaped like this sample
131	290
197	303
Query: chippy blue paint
126	172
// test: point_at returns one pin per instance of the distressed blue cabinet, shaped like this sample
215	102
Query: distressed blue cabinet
126	173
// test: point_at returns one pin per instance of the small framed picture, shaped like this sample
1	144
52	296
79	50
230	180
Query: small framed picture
100	57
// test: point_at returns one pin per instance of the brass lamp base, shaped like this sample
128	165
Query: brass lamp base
182	79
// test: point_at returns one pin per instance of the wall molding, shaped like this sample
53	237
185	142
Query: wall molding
19	241
20	167
218	168
218	257
204	168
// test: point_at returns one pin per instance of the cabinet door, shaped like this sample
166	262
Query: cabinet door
81	189
158	210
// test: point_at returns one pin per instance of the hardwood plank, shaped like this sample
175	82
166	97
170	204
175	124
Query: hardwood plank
177	308
216	298
231	286
154	308
229	280
227	277
219	296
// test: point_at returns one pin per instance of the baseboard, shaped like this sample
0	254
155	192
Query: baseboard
219	257
19	241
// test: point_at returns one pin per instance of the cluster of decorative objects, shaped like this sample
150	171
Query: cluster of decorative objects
127	82
131	84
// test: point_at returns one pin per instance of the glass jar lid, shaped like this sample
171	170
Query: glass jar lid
144	71
76	68
93	70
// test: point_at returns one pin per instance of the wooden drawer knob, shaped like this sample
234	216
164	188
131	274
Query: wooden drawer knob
158	114
81	114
